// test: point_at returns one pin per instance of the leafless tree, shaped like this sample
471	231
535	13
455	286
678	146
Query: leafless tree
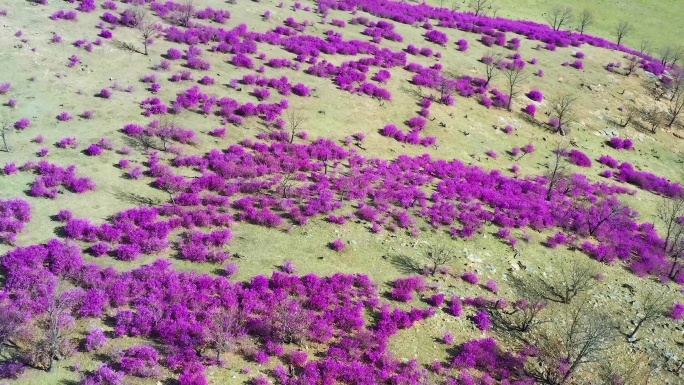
675	106
438	255
654	304
519	317
145	25
630	113
11	322
580	337
563	108
491	62
622	29
480	6
455	6
586	18
559	16
53	342
670	55
670	212
606	209
653	117
290	321
514	78
676	85
625	367
5	129
575	277
645	47
226	329
632	64
286	182
557	170
184	12
165	130
296	120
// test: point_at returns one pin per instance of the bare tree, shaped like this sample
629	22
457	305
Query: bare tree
226	329
290	321
645	47
286	183
491	62
675	85
574	278
296	120
630	113
480	6
586	18
675	106
11	322
55	326
165	130
145	25
556	171
4	130
445	87
632	64
514	78
654	304
578	338
670	212
602	211
653	117
563	108
559	16
625	367
454	6
671	55
519	317
438	255
622	30
184	12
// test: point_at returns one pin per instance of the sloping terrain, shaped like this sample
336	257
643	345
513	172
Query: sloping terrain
353	191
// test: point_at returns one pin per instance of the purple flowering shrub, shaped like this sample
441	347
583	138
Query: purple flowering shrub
14	214
579	158
620	143
53	177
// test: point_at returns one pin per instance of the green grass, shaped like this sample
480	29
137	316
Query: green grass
656	21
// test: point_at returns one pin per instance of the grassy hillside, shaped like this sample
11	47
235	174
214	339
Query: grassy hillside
333	224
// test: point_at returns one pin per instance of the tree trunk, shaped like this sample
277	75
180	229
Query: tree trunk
4	140
674	117
636	329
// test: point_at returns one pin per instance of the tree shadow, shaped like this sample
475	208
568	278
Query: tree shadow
122	45
405	264
137	199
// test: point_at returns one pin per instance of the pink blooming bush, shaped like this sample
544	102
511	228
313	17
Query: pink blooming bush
22	123
579	158
470	277
621	144
337	245
677	311
535	95
14	214
404	287
437	37
64	116
94	340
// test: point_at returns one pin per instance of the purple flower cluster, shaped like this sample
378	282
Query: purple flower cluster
14	214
